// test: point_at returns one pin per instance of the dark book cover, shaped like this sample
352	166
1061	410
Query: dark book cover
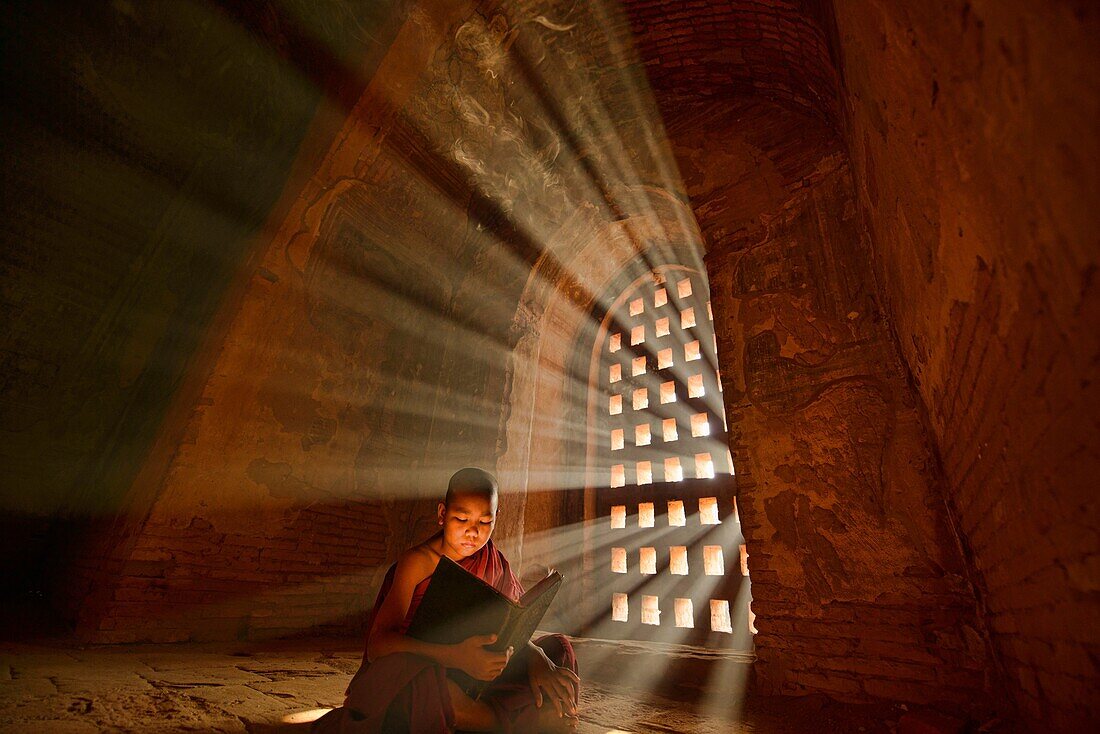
458	605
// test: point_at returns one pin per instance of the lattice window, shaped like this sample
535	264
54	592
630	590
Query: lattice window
669	490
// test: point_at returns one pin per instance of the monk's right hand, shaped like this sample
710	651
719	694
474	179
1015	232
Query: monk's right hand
477	661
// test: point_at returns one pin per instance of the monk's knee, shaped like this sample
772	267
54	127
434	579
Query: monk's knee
558	649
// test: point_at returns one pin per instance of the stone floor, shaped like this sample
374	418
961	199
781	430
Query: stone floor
250	687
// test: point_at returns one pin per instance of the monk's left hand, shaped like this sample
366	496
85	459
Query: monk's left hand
549	681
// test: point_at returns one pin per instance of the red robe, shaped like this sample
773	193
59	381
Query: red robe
403	692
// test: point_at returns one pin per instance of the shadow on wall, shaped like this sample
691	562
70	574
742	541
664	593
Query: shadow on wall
313	570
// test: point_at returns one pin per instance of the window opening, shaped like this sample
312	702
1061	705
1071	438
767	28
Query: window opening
668	460
678	560
720	615
619	608
713	562
708	511
685	615
676	517
668	429
704	468
617	439
674	473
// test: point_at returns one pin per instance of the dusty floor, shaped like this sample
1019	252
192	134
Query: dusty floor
245	687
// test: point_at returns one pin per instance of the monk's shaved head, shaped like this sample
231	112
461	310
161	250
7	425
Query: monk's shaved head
472	481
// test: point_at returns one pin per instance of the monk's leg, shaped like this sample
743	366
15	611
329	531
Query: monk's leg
560	651
471	715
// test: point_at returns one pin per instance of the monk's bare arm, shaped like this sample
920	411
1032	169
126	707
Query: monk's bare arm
385	638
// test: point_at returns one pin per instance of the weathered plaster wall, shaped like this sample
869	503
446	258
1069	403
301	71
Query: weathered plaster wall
973	133
859	584
144	144
302	464
367	356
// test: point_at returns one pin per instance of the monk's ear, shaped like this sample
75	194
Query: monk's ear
440	511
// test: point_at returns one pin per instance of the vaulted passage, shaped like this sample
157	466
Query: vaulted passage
777	322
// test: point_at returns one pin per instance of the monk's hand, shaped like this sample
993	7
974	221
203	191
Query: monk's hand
478	661
554	683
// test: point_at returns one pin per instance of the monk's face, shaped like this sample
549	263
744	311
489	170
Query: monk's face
467	524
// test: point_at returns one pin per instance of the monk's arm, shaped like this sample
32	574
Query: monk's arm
558	683
384	636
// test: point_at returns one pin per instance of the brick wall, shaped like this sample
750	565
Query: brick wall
972	129
743	47
309	571
859	583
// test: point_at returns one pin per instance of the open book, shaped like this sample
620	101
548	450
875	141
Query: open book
458	605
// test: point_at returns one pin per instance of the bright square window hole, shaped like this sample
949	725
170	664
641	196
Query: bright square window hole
620	611
678	560
708	511
685	615
720	616
618	560
676	516
674	473
713	561
616	439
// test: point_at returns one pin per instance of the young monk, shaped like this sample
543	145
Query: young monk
402	685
